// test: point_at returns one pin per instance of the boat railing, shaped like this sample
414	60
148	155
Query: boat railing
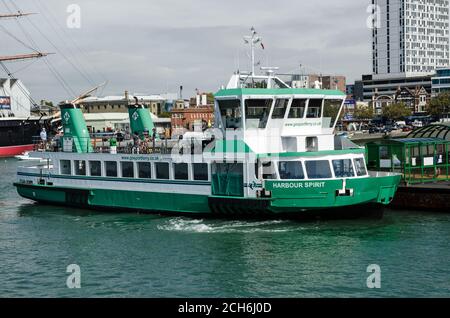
106	145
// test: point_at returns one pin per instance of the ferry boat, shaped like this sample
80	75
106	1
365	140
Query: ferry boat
272	152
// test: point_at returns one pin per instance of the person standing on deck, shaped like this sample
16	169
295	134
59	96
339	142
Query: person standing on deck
136	142
43	136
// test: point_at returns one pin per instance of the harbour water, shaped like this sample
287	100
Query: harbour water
132	255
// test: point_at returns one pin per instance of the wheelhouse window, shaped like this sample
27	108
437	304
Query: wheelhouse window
181	171
280	108
257	112
314	108
331	108
291	170
318	169
80	167
95	168
343	168
200	171
111	169
127	169
297	108
144	170
230	111
360	166
162	170
65	167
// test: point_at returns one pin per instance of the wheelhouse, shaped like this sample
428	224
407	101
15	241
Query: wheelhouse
291	120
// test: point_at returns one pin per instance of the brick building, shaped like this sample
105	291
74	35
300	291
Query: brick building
188	118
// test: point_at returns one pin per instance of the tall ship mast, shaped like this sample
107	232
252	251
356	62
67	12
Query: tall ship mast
273	152
17	126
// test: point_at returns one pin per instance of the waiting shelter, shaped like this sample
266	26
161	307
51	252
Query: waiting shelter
420	160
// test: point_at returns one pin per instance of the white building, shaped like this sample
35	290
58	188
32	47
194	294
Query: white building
441	82
411	37
15	99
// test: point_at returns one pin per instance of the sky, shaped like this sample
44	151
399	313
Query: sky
155	46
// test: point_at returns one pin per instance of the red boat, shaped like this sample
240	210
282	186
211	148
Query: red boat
16	135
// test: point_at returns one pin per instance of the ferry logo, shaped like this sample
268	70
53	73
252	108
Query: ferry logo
135	116
66	117
252	185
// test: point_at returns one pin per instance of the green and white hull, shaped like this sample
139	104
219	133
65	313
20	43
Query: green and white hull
240	196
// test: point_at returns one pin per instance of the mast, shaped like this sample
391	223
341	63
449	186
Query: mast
20	56
252	40
14	15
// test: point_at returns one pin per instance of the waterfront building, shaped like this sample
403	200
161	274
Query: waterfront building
14	99
410	41
188	119
410	38
118	104
334	82
381	92
440	81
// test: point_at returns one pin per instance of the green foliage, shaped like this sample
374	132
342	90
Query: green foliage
46	103
210	98
363	113
440	105
396	111
165	115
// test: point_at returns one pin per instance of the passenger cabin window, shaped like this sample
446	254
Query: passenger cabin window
360	166
269	172
230	111
80	167
127	169
318	169
257	112
145	170
343	168
291	170
200	171
111	169
181	171
95	168
280	108
297	108
312	144
331	108
65	167
314	108
162	170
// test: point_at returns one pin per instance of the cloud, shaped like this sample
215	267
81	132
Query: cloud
156	46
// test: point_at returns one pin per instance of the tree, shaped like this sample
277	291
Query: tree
396	111
440	105
363	113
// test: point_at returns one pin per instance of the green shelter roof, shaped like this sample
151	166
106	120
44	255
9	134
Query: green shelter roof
411	141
